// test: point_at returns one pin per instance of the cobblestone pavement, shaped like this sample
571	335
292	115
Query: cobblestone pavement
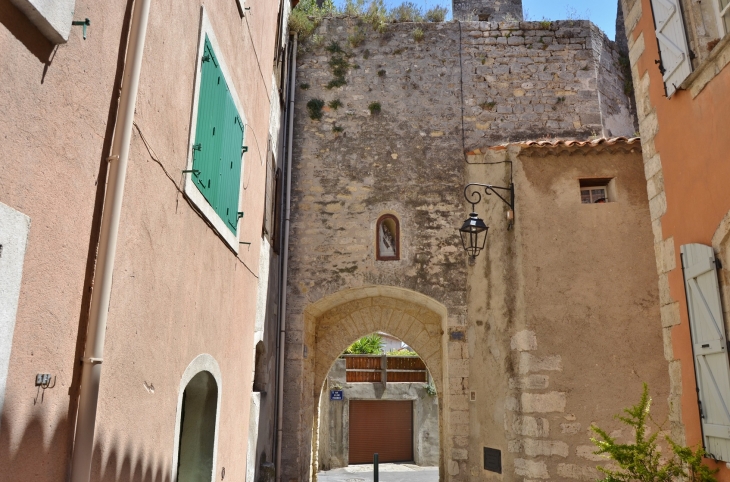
387	473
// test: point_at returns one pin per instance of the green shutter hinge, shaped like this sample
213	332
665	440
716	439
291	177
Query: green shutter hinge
85	23
206	58
197	147
240	215
244	149
194	171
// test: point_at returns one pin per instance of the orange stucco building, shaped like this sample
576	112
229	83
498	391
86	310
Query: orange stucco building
679	51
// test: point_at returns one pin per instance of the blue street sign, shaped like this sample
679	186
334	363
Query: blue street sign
336	395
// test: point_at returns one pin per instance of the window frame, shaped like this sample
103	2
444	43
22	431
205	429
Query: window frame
191	190
608	184
722	30
380	221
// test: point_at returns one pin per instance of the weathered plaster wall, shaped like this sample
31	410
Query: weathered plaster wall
334	417
178	291
560	336
685	161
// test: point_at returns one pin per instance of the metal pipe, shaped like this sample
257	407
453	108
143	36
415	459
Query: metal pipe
94	347
376	476
285	270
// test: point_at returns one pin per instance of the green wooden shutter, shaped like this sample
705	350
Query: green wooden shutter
230	165
218	143
709	346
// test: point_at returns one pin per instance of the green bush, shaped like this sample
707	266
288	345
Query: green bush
306	16
357	38
417	34
354	8
437	14
377	16
367	345
643	460
335	104
374	108
314	106
407	12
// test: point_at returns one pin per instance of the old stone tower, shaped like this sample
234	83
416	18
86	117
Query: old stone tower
488	10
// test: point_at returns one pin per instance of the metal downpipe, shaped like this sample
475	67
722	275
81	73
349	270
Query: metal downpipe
285	270
94	347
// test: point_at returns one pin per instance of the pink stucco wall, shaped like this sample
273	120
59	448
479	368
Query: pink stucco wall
178	290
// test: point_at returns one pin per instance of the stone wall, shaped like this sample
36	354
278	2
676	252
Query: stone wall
511	80
487	10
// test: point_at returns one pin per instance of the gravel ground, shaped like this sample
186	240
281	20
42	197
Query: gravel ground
387	473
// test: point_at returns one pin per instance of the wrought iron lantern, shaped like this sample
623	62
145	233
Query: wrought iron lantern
474	230
474	235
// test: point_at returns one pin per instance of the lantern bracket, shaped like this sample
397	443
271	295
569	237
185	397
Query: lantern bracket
474	197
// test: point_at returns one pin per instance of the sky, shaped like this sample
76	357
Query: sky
602	13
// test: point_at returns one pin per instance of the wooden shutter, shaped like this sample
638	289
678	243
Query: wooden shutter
673	50
218	142
709	346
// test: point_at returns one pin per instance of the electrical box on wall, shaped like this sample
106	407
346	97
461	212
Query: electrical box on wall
493	460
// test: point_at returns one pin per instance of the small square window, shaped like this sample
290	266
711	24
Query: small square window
597	191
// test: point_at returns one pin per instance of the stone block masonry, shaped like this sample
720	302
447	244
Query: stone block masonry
488	10
475	83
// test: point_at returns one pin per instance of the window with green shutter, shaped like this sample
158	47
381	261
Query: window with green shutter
218	145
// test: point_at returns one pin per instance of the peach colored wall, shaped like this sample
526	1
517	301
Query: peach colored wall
694	146
178	290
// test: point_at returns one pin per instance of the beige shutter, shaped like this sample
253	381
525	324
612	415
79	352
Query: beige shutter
673	48
709	346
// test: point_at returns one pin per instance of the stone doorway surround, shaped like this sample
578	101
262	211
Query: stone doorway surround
335	321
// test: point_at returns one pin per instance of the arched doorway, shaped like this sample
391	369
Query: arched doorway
197	422
334	322
378	397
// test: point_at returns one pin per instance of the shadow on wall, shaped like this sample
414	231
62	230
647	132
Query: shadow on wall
39	458
28	34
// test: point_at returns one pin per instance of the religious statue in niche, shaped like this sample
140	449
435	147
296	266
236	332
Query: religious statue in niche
388	238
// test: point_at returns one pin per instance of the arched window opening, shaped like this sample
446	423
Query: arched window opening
197	429
388	238
259	376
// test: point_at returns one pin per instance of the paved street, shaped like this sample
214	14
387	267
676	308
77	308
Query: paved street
388	473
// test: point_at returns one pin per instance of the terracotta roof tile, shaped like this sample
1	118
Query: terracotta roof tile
559	145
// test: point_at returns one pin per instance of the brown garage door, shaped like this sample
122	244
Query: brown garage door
384	427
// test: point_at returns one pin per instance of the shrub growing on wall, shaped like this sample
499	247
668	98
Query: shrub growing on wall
642	460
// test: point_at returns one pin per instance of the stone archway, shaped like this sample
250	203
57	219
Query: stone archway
334	322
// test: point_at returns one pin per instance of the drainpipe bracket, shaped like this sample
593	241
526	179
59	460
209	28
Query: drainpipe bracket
92	361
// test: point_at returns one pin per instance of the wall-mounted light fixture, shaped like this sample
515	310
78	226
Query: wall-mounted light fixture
474	230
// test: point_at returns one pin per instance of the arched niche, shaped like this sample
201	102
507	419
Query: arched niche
387	238
197	421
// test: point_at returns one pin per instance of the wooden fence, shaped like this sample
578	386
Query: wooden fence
385	369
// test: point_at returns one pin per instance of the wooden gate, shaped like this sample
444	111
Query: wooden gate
384	427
